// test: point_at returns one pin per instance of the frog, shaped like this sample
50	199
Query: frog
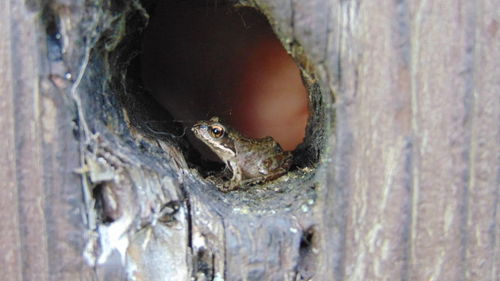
250	160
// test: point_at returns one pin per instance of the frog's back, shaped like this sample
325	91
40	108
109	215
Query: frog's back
264	159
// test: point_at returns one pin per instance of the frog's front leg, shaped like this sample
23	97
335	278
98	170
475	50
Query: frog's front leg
237	173
235	181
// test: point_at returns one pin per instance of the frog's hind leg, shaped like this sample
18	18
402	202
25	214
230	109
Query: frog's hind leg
229	187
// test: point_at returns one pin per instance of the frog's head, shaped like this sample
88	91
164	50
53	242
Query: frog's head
215	134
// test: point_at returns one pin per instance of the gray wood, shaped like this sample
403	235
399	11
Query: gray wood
407	188
41	228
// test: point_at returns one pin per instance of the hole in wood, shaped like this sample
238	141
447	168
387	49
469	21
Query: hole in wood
202	59
105	203
203	264
307	255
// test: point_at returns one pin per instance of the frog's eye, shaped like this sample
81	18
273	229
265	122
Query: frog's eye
216	131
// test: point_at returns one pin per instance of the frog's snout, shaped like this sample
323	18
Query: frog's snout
197	128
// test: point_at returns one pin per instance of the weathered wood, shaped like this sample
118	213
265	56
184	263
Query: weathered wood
412	106
9	223
42	233
406	189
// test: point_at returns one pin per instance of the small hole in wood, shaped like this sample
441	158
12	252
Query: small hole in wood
147	83
203	265
106	212
211	59
202	59
307	255
177	62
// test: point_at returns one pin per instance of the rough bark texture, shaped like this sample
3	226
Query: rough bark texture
407	187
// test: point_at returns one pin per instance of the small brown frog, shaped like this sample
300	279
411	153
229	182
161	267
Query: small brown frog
250	160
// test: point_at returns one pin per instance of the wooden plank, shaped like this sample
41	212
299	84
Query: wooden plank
380	181
28	223
29	165
482	225
411	191
442	73
418	100
42	230
10	241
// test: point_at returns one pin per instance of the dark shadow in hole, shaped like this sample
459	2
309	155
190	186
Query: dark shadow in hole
102	206
203	264
307	258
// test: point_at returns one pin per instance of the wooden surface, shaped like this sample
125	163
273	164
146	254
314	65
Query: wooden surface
41	228
408	188
422	110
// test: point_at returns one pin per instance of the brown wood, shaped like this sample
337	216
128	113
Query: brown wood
419	73
408	188
42	233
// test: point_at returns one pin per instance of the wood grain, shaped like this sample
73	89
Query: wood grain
407	189
412	102
41	219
